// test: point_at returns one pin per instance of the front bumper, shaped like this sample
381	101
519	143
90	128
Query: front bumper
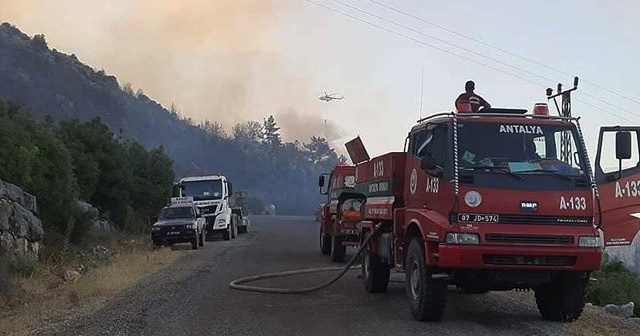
214	225
173	236
519	258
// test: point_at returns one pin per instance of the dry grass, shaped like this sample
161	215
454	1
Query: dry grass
45	298
125	271
594	321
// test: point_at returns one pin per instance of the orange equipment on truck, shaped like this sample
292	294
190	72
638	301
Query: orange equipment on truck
501	199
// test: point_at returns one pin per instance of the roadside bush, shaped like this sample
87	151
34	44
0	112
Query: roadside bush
5	278
23	267
60	164
615	284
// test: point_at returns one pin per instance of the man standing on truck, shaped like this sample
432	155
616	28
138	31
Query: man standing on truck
471	98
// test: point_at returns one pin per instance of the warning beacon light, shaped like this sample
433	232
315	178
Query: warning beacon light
541	109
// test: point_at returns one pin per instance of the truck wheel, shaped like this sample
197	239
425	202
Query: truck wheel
563	299
243	229
195	241
337	249
427	296
325	242
235	229
375	272
202	235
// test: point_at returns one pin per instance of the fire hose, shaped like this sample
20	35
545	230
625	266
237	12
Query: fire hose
238	284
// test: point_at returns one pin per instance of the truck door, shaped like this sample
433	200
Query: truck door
617	174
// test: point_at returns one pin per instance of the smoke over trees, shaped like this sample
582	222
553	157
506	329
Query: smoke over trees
253	154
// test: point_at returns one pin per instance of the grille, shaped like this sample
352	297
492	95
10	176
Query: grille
528	260
209	209
529	239
549	220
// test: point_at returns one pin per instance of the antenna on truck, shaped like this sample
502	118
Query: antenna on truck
421	91
566	98
565	137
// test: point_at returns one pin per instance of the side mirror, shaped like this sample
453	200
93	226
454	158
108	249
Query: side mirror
323	183
623	145
230	187
154	219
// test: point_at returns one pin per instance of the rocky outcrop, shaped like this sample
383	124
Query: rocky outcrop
20	229
98	224
625	311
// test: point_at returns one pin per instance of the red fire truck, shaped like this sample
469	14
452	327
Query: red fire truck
496	200
340	213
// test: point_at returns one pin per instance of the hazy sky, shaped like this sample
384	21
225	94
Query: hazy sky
230	60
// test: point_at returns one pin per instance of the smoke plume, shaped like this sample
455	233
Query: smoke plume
298	126
216	60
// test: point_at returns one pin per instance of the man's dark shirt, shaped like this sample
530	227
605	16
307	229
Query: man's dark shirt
475	100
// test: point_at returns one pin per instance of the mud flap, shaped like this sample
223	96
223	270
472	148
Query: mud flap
619	187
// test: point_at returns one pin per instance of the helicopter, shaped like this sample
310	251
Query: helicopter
329	97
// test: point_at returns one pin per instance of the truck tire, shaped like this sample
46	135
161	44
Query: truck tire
427	296
325	242
337	249
235	228
375	272
227	233
195	241
563	299
202	235
243	229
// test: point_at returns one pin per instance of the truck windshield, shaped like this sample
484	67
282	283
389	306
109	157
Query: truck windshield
519	149
203	190
176	213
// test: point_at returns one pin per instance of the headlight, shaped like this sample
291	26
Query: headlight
462	239
590	241
188	226
155	228
221	220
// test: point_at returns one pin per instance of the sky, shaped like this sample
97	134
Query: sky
230	61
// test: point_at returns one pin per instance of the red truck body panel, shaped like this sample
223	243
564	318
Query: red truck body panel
381	180
620	202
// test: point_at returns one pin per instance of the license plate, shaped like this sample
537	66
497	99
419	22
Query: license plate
173	233
350	231
478	218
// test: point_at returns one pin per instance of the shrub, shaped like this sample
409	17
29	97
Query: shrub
615	284
23	267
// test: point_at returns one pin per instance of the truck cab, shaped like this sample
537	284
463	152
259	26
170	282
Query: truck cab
211	194
500	199
180	222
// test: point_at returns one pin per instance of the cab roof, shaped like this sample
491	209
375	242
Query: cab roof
493	115
203	178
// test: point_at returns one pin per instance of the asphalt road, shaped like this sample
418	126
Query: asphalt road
191	297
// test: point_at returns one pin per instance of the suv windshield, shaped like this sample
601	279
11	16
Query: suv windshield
519	149
203	190
176	213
